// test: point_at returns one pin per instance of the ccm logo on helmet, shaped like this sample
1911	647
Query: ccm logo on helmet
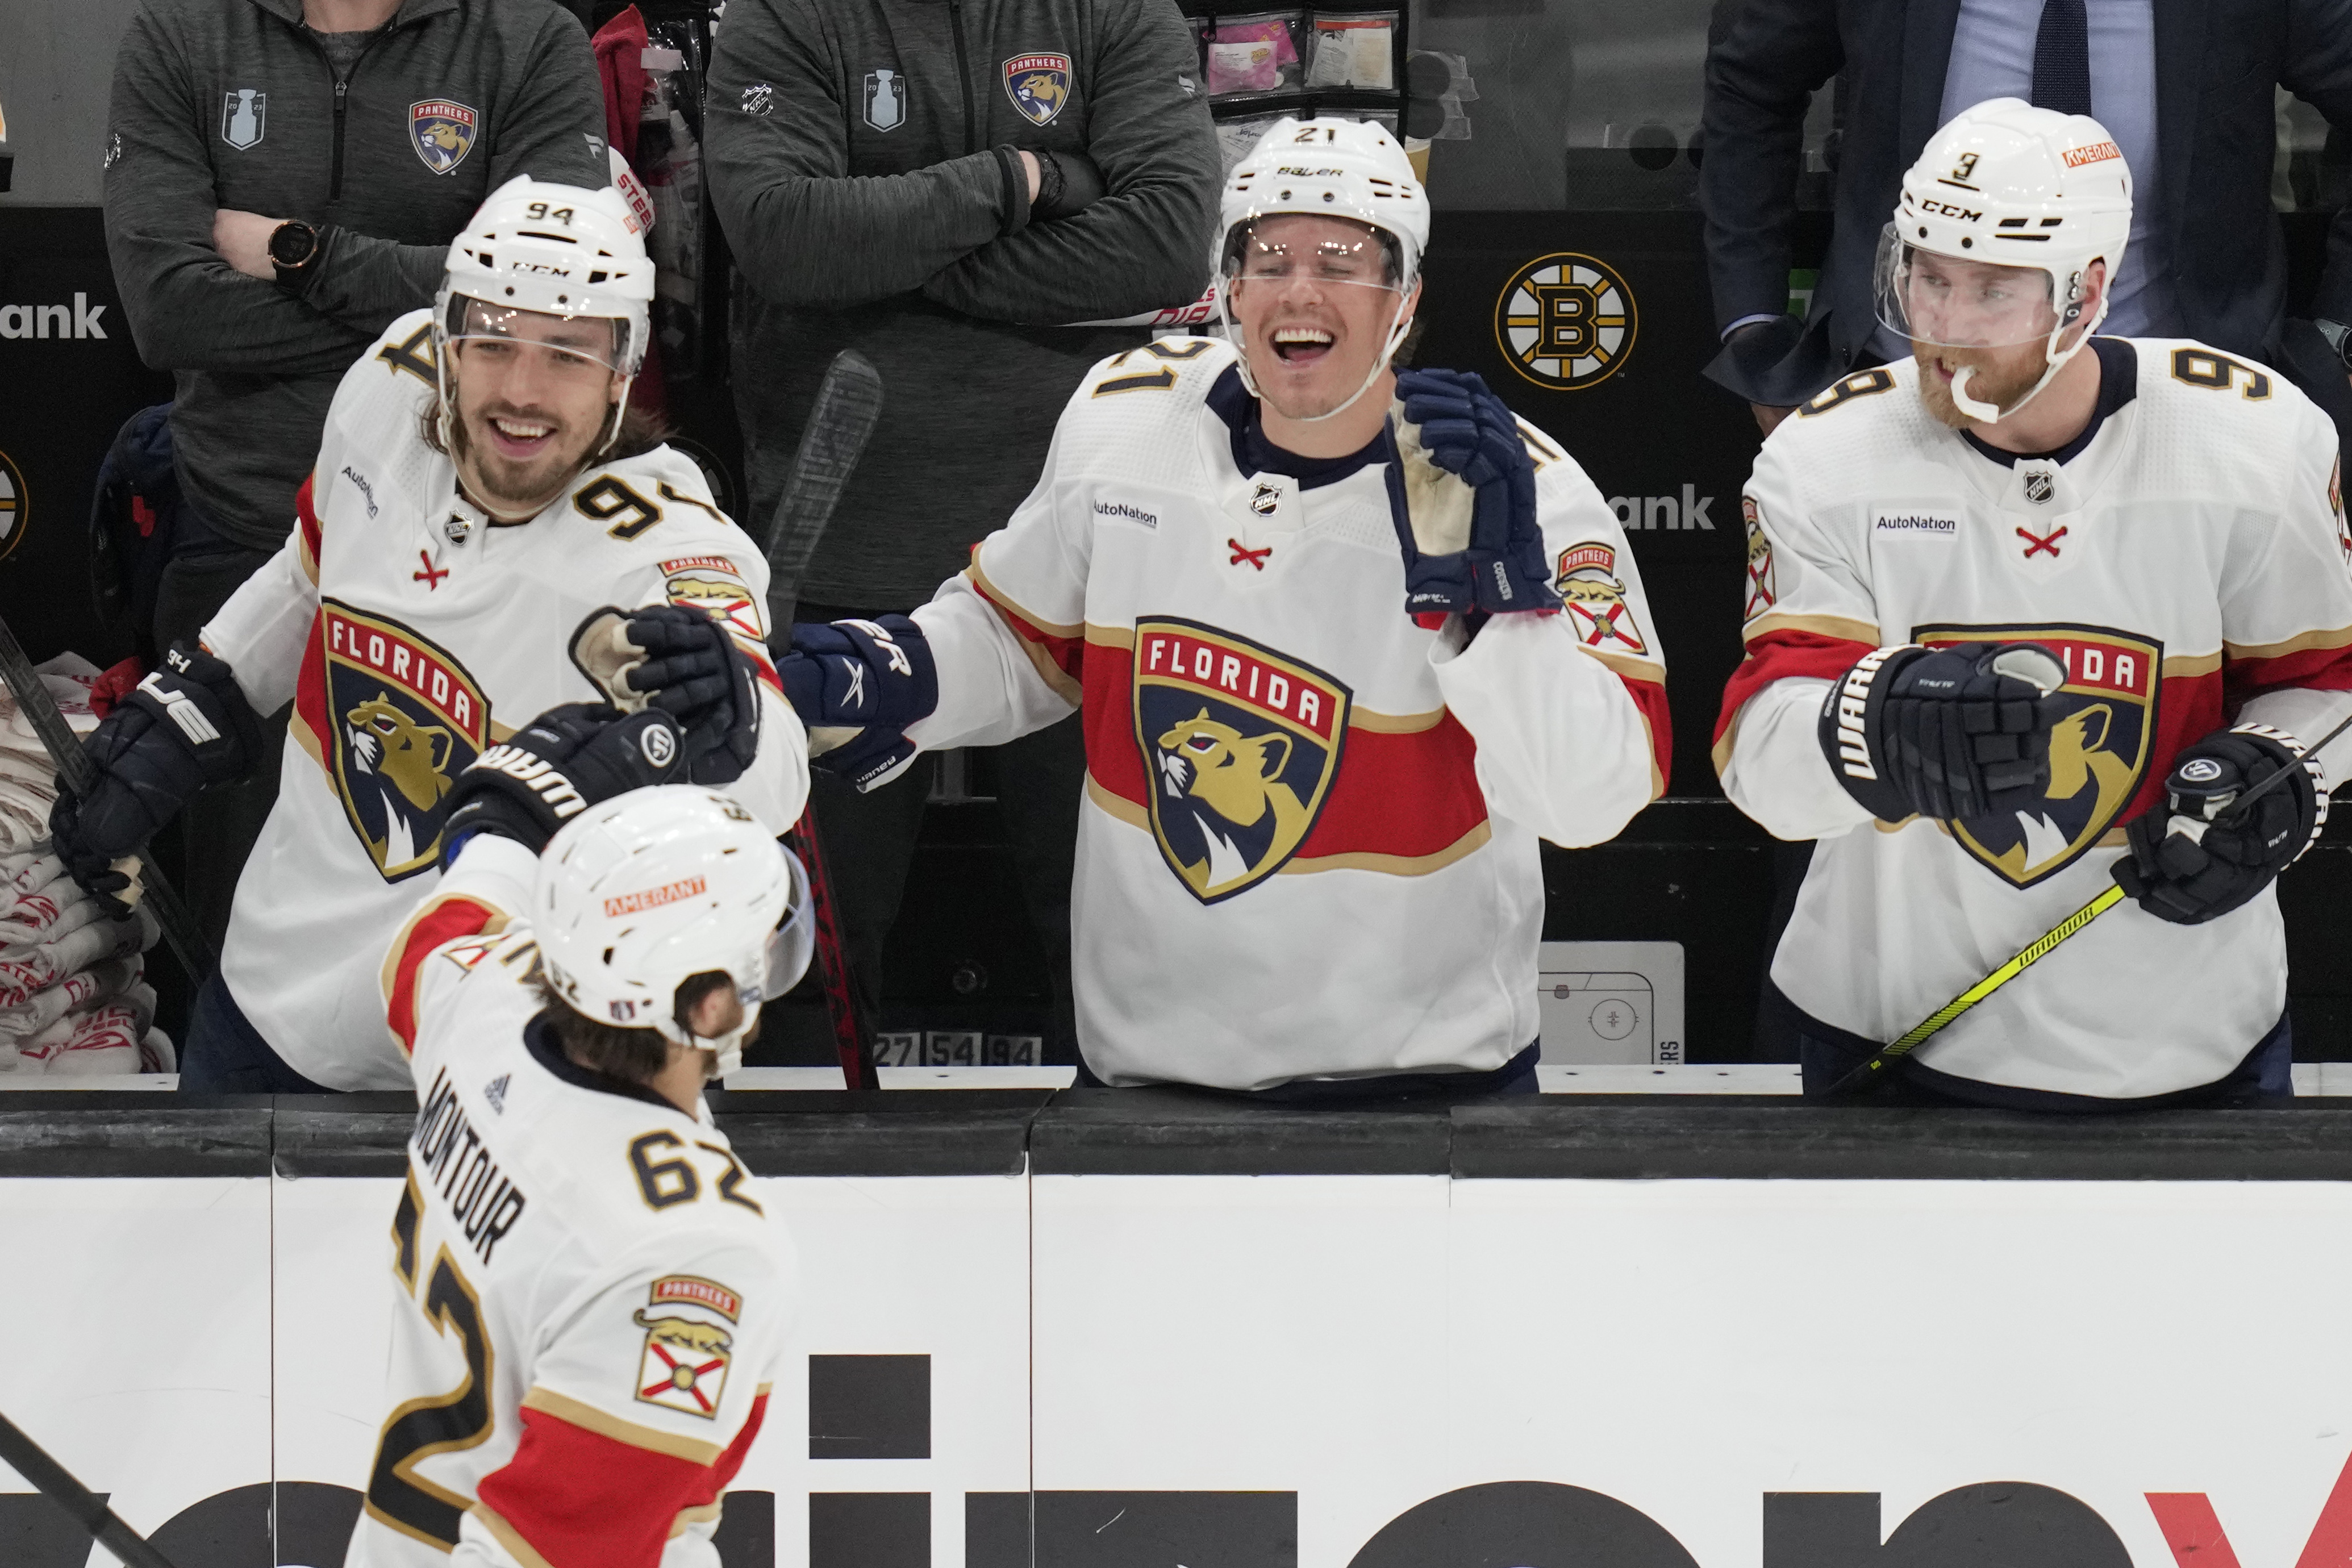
1946	209
542	266
1852	702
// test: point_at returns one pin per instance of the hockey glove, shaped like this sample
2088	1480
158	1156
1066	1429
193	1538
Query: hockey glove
186	726
686	664
2198	855
1067	183
1948	732
1467	431
857	685
557	766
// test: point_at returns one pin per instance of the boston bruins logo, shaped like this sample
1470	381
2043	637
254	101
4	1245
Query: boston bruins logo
1566	321
2098	751
401	720
1240	746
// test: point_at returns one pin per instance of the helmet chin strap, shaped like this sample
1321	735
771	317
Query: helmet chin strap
1399	325
2056	358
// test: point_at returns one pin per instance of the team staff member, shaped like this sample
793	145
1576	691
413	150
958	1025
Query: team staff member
1341	663
481	504
946	187
283	178
1997	593
577	1247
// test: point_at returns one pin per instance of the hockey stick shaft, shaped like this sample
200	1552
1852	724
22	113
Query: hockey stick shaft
2034	952
843	997
77	774
30	1461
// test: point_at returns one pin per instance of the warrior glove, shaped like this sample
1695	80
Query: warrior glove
856	685
1467	431
2200	855
686	664
186	726
556	767
1948	732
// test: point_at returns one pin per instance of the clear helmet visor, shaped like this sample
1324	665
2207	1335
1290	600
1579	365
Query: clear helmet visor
1950	301
586	348
1278	262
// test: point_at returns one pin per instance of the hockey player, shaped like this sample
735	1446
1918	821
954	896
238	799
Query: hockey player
1995	597
478	491
1331	694
591	1299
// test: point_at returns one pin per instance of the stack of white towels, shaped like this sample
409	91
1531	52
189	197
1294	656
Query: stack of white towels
74	1000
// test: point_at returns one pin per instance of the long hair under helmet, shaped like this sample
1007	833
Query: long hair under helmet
2012	185
560	250
1327	167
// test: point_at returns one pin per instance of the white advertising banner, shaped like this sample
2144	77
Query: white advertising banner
1334	1372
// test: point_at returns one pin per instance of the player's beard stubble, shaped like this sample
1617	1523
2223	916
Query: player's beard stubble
508	487
2000	378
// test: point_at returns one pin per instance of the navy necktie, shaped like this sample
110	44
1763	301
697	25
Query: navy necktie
2062	58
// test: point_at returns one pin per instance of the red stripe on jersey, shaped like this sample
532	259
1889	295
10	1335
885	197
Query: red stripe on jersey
445	921
1650	697
311	687
1405	794
2314	669
1782	656
722	1470
1068	654
306	516
582	1500
2188	708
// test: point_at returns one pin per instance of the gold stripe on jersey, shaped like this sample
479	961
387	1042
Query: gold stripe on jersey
1469	843
1632	669
589	1418
1007	602
2181	666
2338	637
1111	636
688	1518
509	1537
1840	627
1394	724
1127	811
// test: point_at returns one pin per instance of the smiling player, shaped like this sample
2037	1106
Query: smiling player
1332	695
1996	595
481	493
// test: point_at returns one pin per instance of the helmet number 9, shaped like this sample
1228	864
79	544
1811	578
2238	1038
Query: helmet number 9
539	212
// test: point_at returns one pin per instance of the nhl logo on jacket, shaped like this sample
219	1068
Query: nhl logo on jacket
399	720
1240	746
245	116
2099	752
885	100
442	132
1039	84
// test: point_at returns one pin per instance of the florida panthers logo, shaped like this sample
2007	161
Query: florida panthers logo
1240	746
2099	752
442	132
396	720
1039	84
1594	597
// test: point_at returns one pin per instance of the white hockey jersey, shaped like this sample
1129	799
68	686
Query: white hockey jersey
591	1300
1308	843
2188	559
410	635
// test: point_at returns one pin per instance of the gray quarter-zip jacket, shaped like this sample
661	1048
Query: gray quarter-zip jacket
862	158
232	104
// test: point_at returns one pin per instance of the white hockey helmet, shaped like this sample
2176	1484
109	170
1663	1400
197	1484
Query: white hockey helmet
641	893
557	250
2007	185
1329	167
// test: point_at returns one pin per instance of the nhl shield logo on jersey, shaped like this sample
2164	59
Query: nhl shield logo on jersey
1595	599
684	1365
442	132
2099	749
1039	84
1240	745
401	720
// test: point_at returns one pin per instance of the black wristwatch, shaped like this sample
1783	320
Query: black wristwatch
294	248
1050	181
2337	339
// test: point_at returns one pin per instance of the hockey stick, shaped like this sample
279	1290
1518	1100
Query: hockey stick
841	420
2034	952
77	774
30	1461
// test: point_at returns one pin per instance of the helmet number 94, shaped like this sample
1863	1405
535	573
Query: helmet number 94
540	212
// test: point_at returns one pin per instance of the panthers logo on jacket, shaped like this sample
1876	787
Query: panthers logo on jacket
2099	750
394	720
1241	746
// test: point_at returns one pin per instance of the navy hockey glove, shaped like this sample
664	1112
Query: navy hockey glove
857	685
186	726
686	664
1469	432
2199	855
557	766
1949	733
